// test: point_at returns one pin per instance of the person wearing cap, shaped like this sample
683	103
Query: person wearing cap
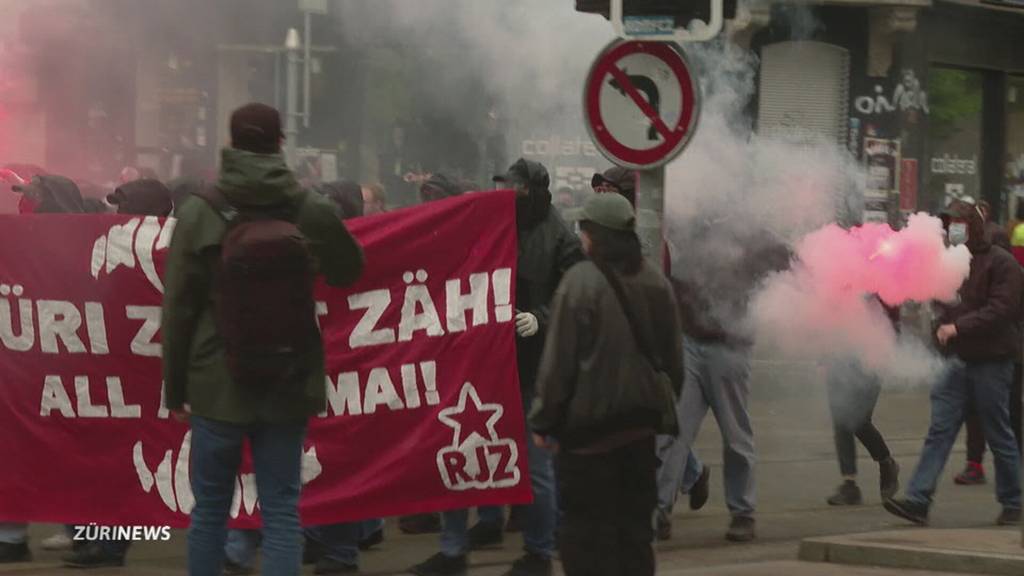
614	343
979	333
618	180
547	250
441	186
142	198
198	386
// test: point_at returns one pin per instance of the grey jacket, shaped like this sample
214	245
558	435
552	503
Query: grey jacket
592	370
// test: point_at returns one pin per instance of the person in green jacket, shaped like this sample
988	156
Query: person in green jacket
198	385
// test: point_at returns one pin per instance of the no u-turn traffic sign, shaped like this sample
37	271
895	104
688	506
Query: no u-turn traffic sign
641	103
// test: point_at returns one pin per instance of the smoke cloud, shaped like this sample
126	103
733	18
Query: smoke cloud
824	306
735	199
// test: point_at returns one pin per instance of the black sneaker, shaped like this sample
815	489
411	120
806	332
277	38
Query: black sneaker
663	526
375	539
12	553
701	490
328	566
848	494
92	556
741	529
531	565
485	535
420	524
441	565
888	478
1009	517
916	513
236	569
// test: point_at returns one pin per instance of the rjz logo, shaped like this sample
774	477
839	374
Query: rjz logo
477	458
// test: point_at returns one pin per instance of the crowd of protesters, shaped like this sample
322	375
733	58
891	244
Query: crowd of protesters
619	362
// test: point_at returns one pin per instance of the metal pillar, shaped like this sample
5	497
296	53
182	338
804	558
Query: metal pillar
650	211
291	124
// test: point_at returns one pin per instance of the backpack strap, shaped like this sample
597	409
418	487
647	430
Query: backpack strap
620	295
217	200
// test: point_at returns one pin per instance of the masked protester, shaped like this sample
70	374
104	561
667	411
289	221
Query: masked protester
974	472
547	249
440	186
142	198
243	358
611	370
50	194
980	335
616	180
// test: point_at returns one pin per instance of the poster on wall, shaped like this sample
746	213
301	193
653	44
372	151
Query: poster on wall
908	184
882	163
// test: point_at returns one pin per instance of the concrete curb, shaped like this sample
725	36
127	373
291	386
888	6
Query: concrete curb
996	552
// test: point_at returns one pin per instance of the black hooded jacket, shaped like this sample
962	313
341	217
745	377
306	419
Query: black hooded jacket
142	198
988	310
57	195
547	249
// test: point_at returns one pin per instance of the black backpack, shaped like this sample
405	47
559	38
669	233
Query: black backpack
263	293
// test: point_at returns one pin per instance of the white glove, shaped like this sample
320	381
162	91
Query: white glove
526	324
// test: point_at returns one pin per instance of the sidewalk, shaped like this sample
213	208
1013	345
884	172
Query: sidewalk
964	551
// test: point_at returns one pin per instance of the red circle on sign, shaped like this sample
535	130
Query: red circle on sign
675	137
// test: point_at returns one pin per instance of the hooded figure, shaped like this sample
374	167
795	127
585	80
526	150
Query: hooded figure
980	334
440	186
52	195
530	180
346	195
142	198
990	299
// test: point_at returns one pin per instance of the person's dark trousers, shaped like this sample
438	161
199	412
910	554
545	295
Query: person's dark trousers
975	435
216	454
853	395
608	501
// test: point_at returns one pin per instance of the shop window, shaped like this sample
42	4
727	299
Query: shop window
1015	145
954	135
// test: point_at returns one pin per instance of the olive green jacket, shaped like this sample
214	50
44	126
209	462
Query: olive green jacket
194	368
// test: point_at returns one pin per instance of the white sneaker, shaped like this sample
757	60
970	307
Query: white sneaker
57	542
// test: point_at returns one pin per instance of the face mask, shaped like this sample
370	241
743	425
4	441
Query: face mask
958	233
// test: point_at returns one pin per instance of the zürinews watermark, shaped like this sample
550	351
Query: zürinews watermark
93	532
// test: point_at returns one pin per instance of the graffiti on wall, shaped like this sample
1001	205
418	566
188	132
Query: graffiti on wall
907	95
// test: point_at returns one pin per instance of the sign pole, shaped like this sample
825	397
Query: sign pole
650	212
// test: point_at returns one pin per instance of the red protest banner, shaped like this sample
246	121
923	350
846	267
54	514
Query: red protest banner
424	410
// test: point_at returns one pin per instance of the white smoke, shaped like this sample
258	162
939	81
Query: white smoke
732	193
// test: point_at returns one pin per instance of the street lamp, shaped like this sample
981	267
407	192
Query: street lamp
292	44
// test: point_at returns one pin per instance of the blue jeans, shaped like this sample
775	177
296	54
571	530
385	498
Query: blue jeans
541	516
988	385
13	533
215	458
241	546
341	541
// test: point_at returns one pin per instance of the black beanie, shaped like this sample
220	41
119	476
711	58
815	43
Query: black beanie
256	128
